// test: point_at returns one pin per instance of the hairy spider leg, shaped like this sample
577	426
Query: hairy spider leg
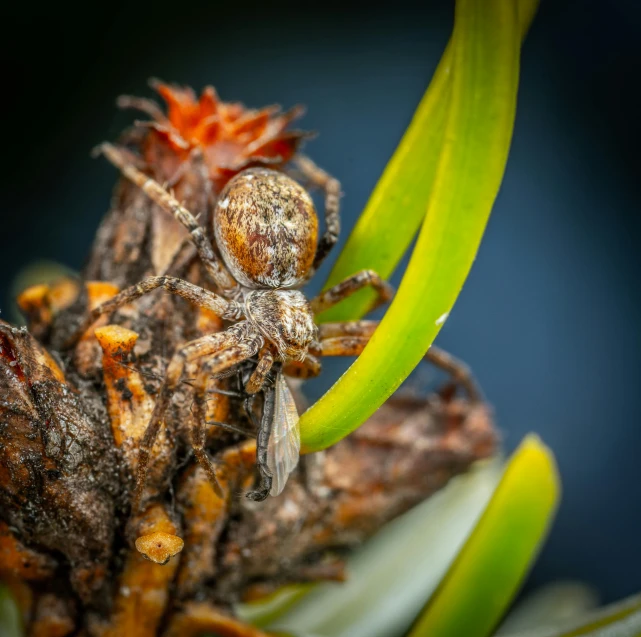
259	375
187	251
213	265
144	105
223	350
350	339
188	291
332	188
260	380
198	431
309	367
349	286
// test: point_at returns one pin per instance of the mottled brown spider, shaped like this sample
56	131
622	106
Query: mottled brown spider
266	231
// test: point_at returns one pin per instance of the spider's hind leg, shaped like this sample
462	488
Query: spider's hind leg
351	337
223	349
352	284
332	188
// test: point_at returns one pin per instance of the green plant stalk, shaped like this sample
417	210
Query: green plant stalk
483	580
396	207
10	620
470	169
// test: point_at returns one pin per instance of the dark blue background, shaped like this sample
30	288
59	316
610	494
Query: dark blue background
550	316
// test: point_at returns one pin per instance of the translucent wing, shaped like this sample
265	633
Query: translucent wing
283	448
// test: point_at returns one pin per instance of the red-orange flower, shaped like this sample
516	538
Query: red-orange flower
231	136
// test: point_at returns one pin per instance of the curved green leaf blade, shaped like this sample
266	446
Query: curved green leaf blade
479	587
470	170
393	573
263	612
396	207
10	621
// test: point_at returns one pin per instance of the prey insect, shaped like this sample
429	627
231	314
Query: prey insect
277	432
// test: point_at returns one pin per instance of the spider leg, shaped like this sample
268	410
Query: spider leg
259	375
199	433
225	349
226	392
233	428
144	105
350	339
248	404
332	188
349	286
192	293
213	265
347	328
310	367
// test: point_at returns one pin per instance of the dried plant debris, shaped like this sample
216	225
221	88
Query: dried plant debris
58	469
77	554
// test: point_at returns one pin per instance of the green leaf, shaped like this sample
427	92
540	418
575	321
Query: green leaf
396	207
470	168
487	573
265	611
10	621
393	573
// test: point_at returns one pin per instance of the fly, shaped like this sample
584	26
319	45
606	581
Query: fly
283	448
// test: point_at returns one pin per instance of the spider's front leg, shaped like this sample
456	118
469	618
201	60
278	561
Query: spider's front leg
350	339
214	267
223	350
192	293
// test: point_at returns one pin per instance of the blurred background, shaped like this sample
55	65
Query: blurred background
549	318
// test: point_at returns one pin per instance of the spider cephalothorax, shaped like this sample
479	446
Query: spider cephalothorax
285	318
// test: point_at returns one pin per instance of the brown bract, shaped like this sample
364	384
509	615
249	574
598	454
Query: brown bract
266	228
57	462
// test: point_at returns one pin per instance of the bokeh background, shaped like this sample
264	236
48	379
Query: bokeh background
549	318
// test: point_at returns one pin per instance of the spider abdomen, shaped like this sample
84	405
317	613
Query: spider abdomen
266	228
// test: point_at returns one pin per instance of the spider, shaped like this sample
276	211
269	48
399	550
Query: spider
265	228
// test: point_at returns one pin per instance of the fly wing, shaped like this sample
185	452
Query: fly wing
283	448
